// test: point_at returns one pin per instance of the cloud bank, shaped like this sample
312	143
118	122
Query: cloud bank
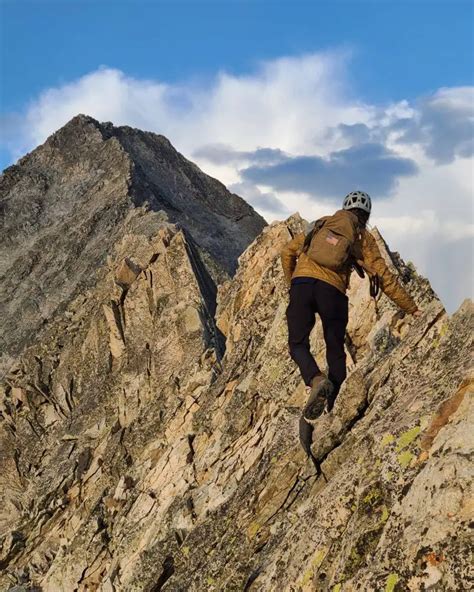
291	136
364	165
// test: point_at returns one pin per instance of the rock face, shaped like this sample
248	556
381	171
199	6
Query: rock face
67	203
149	436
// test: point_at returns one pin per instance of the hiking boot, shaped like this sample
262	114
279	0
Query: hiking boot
330	402
321	389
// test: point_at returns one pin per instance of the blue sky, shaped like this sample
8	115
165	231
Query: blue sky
402	48
290	103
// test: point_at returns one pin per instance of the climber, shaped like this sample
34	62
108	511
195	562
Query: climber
317	267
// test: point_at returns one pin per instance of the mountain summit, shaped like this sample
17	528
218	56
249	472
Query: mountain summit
65	205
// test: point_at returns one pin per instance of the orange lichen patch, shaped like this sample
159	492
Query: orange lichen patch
422	457
434	558
445	411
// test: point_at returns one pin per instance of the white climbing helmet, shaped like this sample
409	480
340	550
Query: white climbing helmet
357	199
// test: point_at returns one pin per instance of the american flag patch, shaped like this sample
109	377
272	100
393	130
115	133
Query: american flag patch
331	239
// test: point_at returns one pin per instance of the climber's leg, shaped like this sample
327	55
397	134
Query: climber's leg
333	308
300	315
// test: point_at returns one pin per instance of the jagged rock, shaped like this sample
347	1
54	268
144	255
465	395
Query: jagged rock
75	377
67	203
139	453
127	273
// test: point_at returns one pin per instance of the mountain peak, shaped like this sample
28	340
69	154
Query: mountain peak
81	119
85	124
70	200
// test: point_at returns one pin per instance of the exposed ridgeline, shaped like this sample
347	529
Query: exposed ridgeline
65	205
136	456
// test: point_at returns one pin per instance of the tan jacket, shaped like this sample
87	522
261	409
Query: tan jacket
297	264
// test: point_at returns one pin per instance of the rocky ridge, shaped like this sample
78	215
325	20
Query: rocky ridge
65	205
149	436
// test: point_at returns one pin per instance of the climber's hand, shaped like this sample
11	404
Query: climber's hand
417	313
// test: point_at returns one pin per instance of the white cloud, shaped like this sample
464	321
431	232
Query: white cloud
303	107
443	124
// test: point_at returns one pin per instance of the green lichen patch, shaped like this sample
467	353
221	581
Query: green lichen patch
319	556
387	439
407	438
405	458
385	514
316	562
252	530
307	577
391	582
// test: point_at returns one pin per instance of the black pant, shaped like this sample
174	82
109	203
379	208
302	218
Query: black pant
309	296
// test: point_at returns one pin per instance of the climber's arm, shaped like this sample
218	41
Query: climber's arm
289	255
388	281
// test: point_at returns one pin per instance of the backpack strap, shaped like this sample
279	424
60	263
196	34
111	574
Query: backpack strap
374	279
309	237
358	269
353	262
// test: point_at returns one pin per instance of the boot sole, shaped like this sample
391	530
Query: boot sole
317	401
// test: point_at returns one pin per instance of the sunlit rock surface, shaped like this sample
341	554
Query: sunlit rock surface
149	436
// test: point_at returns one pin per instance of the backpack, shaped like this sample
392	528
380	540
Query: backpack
331	242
